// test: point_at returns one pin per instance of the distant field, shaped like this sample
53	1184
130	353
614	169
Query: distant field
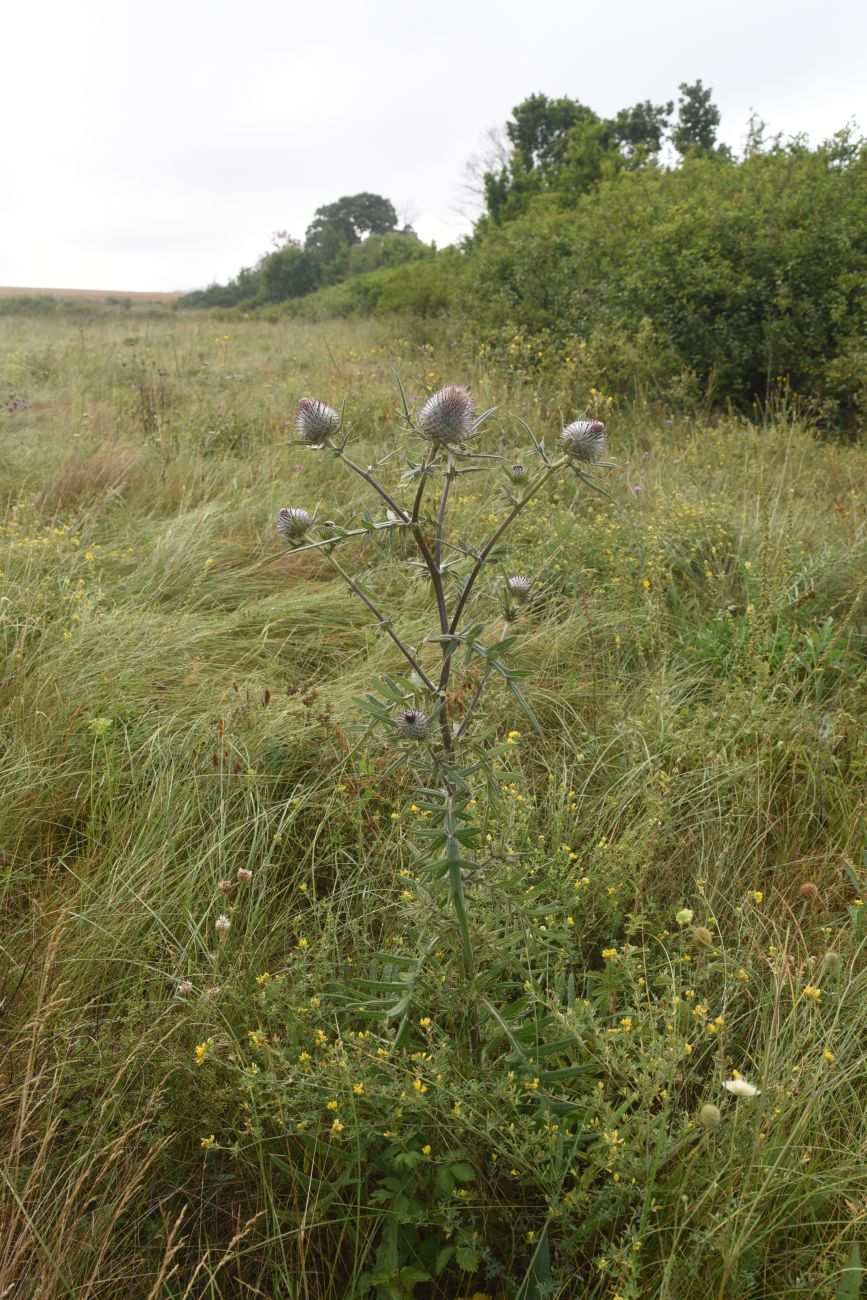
96	295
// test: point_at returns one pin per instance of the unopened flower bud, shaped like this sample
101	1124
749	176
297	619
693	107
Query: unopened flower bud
292	523
702	937
517	473
519	588
327	528
315	420
448	415
710	1117
412	724
585	440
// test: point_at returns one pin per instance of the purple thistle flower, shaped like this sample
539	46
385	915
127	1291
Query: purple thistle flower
315	420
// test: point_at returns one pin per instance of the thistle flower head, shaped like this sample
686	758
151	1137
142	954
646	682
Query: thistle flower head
292	523
585	440
448	415
315	420
740	1088
517	473
412	724
519	588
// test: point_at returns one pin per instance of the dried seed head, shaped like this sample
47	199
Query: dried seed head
315	420
809	891
225	886
412	724
292	523
702	937
585	440
710	1117
222	924
832	961
184	989
245	875
448	415
519	588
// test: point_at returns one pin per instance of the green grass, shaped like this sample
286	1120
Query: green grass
178	702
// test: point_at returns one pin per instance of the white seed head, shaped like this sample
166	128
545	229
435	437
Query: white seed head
585	440
448	415
412	724
740	1088
519	587
222	924
315	420
292	523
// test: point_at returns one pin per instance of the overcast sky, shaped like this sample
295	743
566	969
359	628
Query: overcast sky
157	146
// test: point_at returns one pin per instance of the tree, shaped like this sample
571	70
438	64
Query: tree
290	272
540	127
639	131
697	120
350	219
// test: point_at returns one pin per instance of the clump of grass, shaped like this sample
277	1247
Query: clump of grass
177	707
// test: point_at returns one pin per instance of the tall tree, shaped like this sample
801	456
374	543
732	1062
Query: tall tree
697	120
350	218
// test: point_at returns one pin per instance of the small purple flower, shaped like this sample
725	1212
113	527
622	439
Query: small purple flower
638	489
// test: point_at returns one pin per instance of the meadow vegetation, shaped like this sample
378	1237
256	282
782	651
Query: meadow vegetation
671	893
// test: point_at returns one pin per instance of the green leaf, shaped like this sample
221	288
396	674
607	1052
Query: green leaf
467	1258
849	1286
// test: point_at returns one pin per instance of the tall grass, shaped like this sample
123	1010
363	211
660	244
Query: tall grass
177	704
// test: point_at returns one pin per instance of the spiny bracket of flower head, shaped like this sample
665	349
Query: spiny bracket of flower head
293	523
315	421
448	418
584	440
519	588
412	724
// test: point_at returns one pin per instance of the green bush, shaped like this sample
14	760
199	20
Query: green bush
749	274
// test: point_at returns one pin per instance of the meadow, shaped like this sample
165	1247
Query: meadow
674	873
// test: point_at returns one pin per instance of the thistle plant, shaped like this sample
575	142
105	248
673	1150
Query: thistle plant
450	752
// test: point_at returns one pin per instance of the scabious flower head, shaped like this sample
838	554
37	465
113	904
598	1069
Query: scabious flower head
412	724
741	1088
448	415
292	523
684	916
519	587
222	924
315	420
585	440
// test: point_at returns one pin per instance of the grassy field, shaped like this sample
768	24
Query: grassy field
91	295
672	890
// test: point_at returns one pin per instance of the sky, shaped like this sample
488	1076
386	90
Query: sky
159	146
